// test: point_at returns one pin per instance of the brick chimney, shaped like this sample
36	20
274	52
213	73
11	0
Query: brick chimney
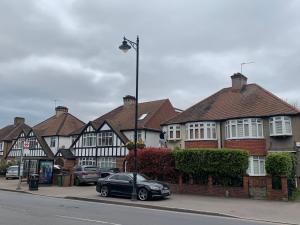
18	120
238	81
129	100
61	110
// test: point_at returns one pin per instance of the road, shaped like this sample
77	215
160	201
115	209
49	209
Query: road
26	209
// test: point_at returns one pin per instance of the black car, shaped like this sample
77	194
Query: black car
120	184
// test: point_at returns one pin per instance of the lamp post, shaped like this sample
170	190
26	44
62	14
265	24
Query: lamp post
125	47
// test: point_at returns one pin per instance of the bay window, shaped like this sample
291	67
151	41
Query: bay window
244	128
256	166
174	132
201	131
280	125
89	140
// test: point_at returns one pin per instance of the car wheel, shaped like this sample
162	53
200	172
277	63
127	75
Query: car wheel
6	178
143	194
104	192
77	182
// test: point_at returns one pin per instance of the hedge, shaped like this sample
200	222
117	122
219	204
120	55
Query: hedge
215	162
280	164
156	163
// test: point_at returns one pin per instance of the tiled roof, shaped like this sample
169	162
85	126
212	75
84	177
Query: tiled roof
122	118
251	101
11	132
61	125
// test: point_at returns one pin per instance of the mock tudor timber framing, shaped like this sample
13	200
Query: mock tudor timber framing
117	149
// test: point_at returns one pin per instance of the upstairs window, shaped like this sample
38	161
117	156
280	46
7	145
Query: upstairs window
52	142
201	131
280	125
105	138
174	132
244	128
89	140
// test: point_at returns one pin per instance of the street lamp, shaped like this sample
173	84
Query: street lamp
125	47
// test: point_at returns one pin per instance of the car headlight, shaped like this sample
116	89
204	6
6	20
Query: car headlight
155	188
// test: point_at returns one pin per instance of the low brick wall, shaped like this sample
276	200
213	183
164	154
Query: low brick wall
277	194
254	187
212	190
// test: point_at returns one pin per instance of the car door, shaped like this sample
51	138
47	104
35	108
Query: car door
120	184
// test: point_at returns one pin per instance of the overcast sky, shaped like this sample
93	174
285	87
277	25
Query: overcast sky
67	50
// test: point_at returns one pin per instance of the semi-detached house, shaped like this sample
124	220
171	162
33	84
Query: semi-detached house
244	116
102	142
44	139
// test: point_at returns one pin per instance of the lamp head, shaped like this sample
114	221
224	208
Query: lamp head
124	46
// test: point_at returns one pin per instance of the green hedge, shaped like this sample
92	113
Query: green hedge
215	162
280	164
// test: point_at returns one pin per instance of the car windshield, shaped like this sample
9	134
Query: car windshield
13	169
90	169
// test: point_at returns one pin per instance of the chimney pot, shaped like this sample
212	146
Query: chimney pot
18	120
238	81
61	110
129	100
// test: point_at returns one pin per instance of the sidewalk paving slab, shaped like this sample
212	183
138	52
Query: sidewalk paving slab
259	210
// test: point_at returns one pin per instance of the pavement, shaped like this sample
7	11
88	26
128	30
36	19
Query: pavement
255	210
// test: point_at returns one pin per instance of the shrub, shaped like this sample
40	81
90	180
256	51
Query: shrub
156	163
280	164
214	162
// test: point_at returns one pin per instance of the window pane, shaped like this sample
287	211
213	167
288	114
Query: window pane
197	133
178	134
278	127
233	130
288	128
240	132
214	135
246	130
208	133
201	133
260	130
191	134
262	166
255	167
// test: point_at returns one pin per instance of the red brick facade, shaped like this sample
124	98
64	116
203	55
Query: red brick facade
201	144
277	194
120	163
254	146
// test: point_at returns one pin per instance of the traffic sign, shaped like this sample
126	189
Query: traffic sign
26	145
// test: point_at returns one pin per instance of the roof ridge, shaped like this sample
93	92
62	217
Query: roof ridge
62	124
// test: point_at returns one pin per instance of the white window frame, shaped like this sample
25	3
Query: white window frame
285	125
87	161
1	148
53	142
105	138
174	132
89	140
140	135
201	131
246	128
261	166
107	162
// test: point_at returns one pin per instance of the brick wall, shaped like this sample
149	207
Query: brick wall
277	194
212	190
254	146
201	144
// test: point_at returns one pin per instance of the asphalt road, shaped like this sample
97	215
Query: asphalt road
26	209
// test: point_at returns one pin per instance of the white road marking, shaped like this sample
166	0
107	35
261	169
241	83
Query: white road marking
87	220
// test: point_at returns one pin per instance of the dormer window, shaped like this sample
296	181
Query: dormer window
174	132
280	126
